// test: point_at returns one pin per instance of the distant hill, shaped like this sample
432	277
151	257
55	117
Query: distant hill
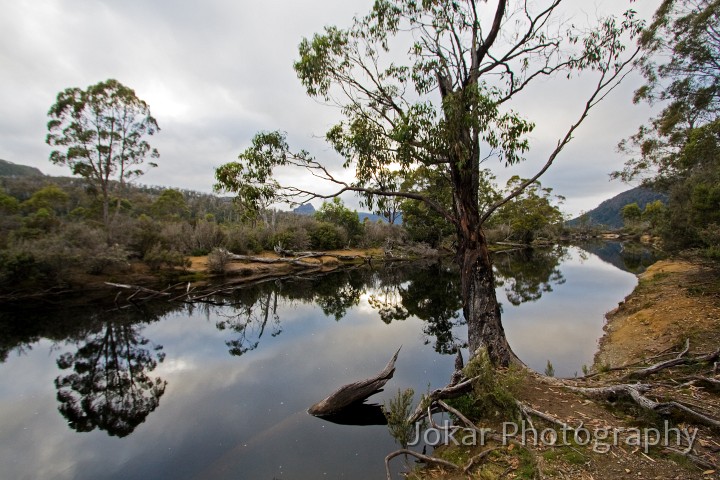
305	209
608	212
9	169
308	209
371	216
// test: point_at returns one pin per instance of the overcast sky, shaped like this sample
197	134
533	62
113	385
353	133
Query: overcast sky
215	72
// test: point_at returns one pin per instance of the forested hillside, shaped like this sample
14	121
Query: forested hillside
608	213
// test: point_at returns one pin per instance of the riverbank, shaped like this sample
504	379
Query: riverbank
675	301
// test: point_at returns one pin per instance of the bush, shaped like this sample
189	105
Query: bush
244	240
218	260
378	234
206	236
52	259
292	239
158	256
326	236
493	393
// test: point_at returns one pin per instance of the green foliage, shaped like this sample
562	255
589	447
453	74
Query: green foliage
397	412
100	134
631	214
493	393
171	205
549	369
679	150
394	126
326	236
654	214
158	257
52	258
51	198
338	214
607	214
529	213
8	204
423	223
19	268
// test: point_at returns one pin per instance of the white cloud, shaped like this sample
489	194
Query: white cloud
216	72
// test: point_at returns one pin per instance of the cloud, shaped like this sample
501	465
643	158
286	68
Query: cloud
214	73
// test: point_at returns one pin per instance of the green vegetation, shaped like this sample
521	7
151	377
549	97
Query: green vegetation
678	152
494	391
100	134
397	412
52	231
443	112
608	213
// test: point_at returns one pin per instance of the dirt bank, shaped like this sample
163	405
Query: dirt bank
675	300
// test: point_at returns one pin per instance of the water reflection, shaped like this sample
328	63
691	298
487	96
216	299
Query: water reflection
628	256
361	414
239	373
249	317
526	274
433	295
109	384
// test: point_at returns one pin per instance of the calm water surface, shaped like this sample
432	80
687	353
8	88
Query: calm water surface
195	392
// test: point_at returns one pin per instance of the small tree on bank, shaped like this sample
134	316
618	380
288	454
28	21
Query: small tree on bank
447	110
100	134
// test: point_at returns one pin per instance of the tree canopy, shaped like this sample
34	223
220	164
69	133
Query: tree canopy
678	151
100	134
446	106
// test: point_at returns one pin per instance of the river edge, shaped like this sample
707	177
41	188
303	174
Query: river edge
675	300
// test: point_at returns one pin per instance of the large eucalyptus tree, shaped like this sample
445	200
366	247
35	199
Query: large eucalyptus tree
444	104
100	133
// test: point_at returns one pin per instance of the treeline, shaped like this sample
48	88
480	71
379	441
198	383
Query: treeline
52	229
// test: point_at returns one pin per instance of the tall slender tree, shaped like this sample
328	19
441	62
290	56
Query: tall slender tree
100	134
446	108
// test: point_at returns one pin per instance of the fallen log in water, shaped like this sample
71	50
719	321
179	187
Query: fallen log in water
355	392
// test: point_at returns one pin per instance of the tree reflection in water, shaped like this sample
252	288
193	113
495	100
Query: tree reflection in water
429	291
107	382
527	274
109	386
251	311
431	294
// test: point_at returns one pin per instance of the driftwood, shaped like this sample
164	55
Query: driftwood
355	392
294	258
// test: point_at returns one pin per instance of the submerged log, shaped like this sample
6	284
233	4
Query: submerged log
355	392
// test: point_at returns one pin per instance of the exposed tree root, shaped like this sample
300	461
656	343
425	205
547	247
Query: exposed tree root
679	360
635	392
419	456
439	405
450	391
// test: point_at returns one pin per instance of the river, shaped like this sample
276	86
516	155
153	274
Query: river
220	391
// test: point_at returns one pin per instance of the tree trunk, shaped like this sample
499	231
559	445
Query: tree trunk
480	306
106	209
